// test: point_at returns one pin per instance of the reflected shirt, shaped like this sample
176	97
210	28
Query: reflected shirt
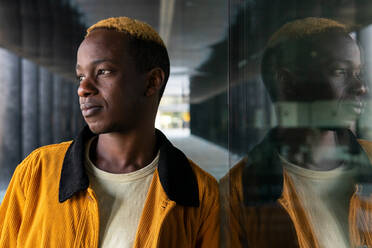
325	196
121	198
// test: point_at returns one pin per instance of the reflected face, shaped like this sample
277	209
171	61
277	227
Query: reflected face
333	78
337	69
111	91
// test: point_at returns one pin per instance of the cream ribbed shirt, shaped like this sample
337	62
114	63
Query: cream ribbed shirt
325	197
121	198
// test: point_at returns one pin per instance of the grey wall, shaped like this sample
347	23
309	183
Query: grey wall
37	107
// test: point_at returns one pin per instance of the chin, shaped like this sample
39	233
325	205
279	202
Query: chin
104	128
98	127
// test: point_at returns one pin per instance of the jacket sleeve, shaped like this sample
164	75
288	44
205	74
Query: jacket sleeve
12	209
209	234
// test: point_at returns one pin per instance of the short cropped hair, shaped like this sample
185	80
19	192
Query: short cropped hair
292	47
145	45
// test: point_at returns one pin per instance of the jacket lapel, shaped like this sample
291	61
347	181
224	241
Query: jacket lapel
156	209
73	176
262	178
176	175
262	182
360	215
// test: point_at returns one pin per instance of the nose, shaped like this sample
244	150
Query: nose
363	90
359	86
86	88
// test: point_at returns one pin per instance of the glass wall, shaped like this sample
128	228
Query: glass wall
299	121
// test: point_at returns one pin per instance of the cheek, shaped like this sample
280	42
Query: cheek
121	101
121	96
338	86
111	96
329	87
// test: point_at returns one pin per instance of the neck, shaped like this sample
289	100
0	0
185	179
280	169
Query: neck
119	152
315	149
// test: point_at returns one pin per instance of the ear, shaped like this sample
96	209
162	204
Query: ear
283	75
286	81
155	80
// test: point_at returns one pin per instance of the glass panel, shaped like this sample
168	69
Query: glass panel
299	125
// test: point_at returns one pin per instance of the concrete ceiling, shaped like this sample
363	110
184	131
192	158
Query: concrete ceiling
188	27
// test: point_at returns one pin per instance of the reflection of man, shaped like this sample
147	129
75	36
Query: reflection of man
121	183
306	184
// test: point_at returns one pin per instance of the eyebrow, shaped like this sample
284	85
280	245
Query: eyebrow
96	62
348	62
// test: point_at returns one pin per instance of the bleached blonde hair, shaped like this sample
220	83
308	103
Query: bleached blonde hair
132	27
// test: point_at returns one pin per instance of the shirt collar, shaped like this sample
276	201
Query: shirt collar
175	173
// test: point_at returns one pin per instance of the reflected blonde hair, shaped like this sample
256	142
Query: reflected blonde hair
304	28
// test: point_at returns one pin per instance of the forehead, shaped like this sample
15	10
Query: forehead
339	47
102	44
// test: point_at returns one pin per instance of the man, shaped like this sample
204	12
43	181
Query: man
307	183
120	183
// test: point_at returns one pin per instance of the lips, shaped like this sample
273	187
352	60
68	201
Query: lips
355	106
90	108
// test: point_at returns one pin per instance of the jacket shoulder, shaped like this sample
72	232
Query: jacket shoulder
51	149
367	146
45	155
231	183
40	162
205	180
207	185
235	172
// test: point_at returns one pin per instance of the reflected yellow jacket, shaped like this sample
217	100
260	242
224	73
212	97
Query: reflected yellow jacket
261	207
49	202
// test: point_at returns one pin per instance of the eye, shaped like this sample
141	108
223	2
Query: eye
339	72
80	78
103	72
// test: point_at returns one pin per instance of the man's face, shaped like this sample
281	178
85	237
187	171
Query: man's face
331	85
111	91
336	71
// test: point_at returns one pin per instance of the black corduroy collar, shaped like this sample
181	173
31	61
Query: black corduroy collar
175	173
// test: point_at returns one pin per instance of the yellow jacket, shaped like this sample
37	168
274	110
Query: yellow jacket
261	207
49	202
